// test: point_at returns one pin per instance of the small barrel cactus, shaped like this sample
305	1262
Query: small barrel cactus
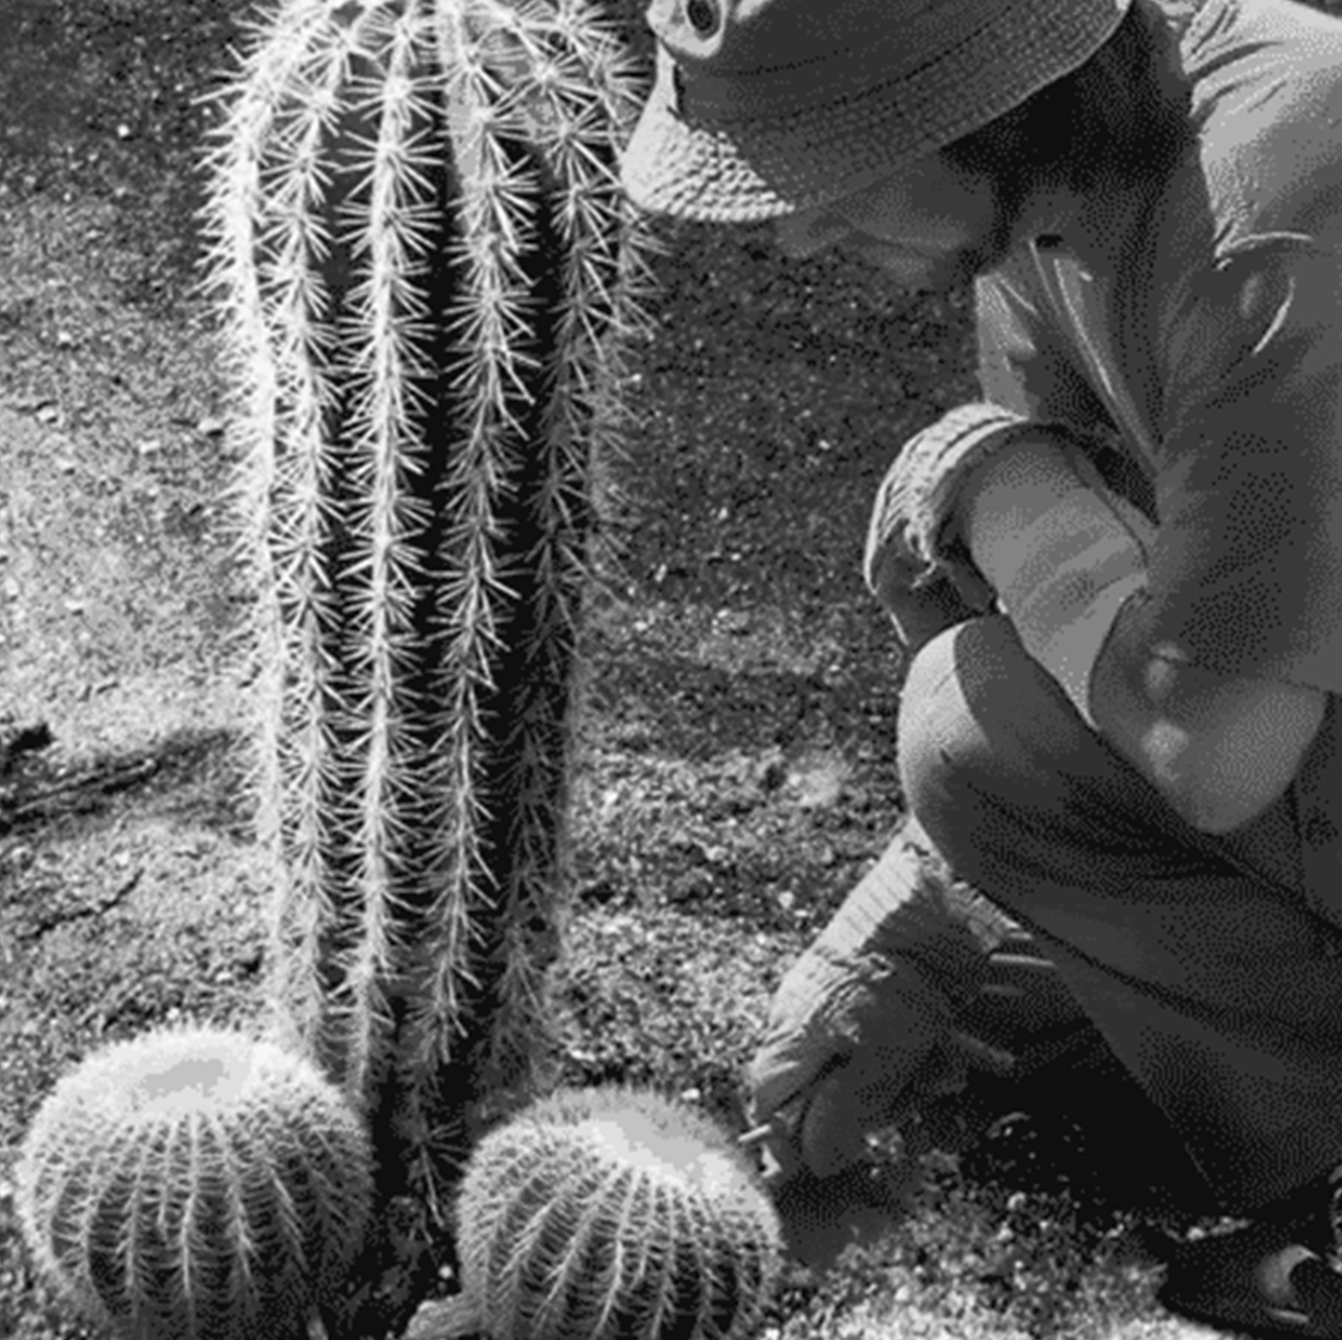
194	1183
613	1214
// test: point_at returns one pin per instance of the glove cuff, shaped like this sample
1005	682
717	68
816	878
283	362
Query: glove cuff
916	499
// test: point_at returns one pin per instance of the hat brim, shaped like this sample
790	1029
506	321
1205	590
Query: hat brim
672	168
764	167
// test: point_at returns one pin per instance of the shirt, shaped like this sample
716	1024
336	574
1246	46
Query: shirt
1206	344
1212	345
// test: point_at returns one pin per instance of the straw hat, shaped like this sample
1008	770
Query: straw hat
763	107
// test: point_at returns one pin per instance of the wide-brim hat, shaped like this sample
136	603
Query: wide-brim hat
764	107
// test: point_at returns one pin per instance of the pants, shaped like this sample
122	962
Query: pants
1198	957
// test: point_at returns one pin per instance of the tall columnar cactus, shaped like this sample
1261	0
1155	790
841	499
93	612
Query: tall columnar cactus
195	1185
427	269
613	1214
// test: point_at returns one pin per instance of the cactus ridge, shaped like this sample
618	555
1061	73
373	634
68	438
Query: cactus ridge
427	273
614	1213
194	1183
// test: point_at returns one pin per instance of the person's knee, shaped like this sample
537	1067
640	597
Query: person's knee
986	739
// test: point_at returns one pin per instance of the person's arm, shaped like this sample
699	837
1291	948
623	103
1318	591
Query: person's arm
1069	564
1220	749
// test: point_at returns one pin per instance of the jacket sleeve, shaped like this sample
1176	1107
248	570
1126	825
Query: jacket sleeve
1246	575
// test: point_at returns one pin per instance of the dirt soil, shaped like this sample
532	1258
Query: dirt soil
738	773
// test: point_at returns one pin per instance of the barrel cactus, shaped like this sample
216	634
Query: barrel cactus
427	273
194	1183
613	1214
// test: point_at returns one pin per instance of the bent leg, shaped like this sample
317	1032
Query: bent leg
1195	955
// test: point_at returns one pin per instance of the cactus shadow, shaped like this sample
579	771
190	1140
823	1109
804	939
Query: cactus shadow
190	774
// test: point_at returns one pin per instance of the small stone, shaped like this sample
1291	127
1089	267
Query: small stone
771	773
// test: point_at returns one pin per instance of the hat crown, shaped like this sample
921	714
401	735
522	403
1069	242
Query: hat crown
767	106
761	56
742	37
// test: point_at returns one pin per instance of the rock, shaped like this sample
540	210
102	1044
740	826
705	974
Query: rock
17	742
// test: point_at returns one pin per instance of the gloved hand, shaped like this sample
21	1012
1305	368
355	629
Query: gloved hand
861	1029
824	1085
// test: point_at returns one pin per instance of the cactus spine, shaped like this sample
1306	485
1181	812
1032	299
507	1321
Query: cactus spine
195	1185
427	268
614	1214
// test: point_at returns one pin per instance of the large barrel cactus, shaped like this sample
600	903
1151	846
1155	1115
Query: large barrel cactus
614	1214
195	1184
427	269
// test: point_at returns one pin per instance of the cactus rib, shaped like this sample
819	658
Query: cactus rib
427	272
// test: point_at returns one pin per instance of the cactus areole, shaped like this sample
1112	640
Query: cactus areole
426	268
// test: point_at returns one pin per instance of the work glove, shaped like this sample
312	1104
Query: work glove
862	1028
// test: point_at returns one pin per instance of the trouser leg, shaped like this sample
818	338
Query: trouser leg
1196	956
